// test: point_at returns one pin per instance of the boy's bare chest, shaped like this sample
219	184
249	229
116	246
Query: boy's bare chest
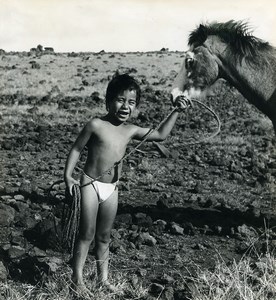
111	139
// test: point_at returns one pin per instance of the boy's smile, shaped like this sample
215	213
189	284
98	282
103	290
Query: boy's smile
123	105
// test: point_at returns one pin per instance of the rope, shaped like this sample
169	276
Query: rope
217	120
122	159
71	213
146	136
71	218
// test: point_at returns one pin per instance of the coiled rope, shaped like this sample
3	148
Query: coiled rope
71	219
71	212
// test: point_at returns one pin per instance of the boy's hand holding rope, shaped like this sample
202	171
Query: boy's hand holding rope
182	102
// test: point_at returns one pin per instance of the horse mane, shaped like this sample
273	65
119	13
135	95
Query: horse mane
236	34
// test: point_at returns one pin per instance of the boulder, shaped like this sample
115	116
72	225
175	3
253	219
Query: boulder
28	270
176	229
142	219
15	252
7	214
49	49
158	226
124	218
146	239
3	272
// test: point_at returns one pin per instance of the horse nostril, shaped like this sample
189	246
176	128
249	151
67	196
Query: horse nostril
171	98
189	63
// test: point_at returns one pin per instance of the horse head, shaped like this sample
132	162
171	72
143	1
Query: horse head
199	71
228	50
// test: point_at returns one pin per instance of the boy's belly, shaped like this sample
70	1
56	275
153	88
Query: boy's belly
104	173
102	161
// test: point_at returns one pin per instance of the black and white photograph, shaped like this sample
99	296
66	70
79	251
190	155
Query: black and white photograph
137	150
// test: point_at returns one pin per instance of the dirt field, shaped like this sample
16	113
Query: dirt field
178	209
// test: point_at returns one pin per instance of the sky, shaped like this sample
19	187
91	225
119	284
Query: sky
123	25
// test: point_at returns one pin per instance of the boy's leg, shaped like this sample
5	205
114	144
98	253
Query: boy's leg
89	209
106	215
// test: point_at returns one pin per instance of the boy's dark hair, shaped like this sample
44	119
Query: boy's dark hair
121	83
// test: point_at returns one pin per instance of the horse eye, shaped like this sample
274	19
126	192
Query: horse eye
189	62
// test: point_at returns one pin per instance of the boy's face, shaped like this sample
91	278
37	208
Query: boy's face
123	105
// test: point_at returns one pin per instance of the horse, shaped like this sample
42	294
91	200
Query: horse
229	51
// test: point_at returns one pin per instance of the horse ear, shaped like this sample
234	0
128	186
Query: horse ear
202	28
198	36
117	73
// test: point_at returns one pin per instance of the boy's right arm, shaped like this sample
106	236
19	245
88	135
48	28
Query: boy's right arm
74	154
166	127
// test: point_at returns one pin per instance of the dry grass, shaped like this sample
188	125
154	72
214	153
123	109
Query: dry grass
58	285
252	278
245	280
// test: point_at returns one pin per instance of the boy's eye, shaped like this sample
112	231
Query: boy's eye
132	102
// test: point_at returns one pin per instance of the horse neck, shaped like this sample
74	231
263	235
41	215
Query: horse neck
256	83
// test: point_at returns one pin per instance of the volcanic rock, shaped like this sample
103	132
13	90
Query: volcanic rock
146	239
142	219
16	252
3	272
7	214
176	229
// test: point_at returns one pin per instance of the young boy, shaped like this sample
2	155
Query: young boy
106	139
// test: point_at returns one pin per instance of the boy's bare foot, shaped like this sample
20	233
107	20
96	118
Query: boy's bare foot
80	290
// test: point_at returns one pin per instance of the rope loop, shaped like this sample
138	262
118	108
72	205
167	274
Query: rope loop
216	118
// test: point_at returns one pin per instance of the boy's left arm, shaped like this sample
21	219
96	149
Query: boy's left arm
161	134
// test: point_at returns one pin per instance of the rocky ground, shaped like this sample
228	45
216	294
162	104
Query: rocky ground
180	208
